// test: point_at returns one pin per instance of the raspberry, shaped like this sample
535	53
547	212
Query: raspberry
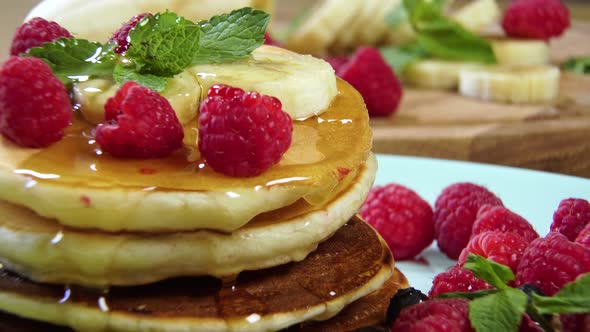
140	124
502	248
584	236
435	315
121	36
337	62
34	33
536	19
455	210
571	216
34	105
575	323
368	72
402	217
268	40
456	279
551	262
241	133
499	218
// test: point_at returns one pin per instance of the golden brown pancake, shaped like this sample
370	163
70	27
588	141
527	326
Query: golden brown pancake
351	264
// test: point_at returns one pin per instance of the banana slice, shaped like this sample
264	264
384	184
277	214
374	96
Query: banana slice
478	15
520	52
319	31
511	84
436	74
346	37
97	20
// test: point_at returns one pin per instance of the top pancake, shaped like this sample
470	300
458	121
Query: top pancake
73	182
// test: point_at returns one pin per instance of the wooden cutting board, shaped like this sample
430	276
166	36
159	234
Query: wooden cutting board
553	138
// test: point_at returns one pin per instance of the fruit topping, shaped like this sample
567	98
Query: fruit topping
551	262
435	315
499	218
536	19
456	279
584	236
404	219
503	248
455	211
34	105
368	72
34	33
121	36
139	124
242	134
571	216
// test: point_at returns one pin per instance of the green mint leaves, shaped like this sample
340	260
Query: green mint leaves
76	59
161	46
231	36
578	65
502	308
439	36
399	58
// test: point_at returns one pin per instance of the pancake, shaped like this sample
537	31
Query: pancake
370	310
45	251
80	16
73	182
351	264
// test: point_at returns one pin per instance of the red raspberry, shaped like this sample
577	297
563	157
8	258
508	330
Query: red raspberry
368	72
575	323
140	124
402	217
536	19
455	210
571	216
456	279
450	315
34	105
499	218
34	33
584	236
241	133
502	248
268	40
529	325
121	36
337	62
551	262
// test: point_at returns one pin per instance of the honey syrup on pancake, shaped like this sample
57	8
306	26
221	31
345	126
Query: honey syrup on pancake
338	139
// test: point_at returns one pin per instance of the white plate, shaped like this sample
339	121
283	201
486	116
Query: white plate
532	194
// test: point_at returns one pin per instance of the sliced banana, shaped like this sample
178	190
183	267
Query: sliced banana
346	37
436	74
91	96
478	15
319	31
97	20
511	84
520	52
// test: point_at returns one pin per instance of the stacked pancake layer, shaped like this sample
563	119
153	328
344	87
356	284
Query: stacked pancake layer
96	243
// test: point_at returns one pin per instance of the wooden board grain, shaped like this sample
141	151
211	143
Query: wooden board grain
552	138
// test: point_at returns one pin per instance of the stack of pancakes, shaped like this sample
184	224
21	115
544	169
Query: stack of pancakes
94	243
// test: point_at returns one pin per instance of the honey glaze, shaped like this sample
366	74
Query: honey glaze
339	138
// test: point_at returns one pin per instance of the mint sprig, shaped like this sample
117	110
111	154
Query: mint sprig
502	308
580	65
73	59
161	46
400	57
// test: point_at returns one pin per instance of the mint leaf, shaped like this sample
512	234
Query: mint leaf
231	36
573	298
396	17
73	59
123	74
468	295
163	45
501	311
578	65
443	37
399	58
495	274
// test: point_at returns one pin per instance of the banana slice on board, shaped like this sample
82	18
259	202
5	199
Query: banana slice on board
478	15
511	84
520	52
97	20
436	74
